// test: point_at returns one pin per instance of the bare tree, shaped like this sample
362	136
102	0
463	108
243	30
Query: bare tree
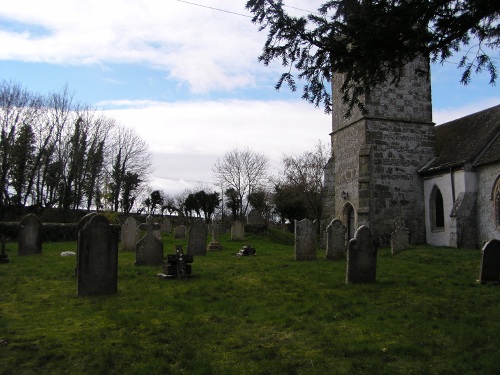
305	173
242	170
128	154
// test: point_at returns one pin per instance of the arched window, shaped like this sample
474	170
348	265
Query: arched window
437	209
496	201
350	220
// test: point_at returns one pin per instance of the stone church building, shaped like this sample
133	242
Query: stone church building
392	161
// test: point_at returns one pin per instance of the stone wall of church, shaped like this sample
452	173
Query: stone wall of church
399	149
487	229
346	145
409	101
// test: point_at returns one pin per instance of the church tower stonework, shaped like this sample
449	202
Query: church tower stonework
372	176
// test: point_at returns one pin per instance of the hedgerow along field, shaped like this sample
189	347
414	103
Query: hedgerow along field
268	314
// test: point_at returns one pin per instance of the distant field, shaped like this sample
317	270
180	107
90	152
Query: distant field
267	314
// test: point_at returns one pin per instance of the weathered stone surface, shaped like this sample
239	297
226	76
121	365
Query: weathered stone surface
180	231
463	217
197	238
361	258
335	240
97	257
490	262
30	236
237	231
214	243
400	238
306	240
129	234
149	249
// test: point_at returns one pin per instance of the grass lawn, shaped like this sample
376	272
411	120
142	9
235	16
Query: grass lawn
266	314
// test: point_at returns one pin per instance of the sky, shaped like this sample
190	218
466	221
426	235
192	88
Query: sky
185	76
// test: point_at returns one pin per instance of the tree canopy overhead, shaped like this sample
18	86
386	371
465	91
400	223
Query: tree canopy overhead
371	40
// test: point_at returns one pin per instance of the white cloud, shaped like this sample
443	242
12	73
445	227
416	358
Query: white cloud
206	48
186	138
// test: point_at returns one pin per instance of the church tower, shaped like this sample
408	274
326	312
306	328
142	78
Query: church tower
372	176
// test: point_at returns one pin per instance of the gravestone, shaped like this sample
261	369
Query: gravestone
4	258
237	231
197	238
129	234
214	244
157	230
361	258
97	257
246	251
81	224
254	217
180	231
400	238
490	262
178	265
30	236
306	240
166	225
149	249
335	240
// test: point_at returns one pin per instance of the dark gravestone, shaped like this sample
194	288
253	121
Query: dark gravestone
81	224
197	238
30	236
361	258
178	264
4	258
490	262
97	264
149	249
306	240
335	240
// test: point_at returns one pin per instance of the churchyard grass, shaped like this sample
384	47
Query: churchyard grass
267	314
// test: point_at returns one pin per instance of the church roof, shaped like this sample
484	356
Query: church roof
473	139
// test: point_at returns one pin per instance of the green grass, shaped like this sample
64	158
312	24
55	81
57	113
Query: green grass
252	315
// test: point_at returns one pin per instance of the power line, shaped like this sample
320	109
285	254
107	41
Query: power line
218	9
240	14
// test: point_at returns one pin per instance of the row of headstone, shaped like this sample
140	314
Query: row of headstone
361	252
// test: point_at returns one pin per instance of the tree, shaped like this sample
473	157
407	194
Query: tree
288	203
17	107
260	200
129	153
305	173
233	203
369	41
243	171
